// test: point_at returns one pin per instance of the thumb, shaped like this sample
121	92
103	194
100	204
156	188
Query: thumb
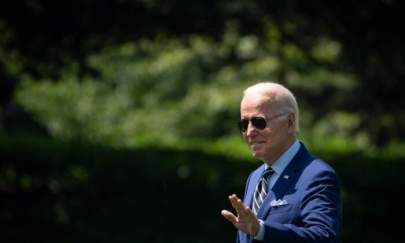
229	216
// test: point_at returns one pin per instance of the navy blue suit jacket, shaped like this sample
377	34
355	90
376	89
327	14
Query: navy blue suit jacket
311	210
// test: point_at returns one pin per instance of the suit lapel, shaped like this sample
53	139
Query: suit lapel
284	181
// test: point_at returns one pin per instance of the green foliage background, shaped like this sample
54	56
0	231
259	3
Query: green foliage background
169	91
118	117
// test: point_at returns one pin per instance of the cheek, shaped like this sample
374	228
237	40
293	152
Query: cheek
272	138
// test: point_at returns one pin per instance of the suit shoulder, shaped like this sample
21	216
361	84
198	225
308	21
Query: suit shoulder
321	165
311	163
319	169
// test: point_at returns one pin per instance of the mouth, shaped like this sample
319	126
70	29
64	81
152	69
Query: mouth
256	142
255	145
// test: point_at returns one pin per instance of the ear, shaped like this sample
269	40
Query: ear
291	121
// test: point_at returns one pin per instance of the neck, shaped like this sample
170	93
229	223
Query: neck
280	151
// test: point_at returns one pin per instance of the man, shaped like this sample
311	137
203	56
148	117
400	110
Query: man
293	196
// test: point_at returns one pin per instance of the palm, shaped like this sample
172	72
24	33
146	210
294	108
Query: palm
245	220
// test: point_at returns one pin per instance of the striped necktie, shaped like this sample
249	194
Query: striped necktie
261	190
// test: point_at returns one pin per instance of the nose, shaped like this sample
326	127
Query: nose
251	130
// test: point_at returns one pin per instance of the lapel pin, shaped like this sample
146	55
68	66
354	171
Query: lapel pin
286	176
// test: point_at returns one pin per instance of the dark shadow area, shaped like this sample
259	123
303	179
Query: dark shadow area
71	192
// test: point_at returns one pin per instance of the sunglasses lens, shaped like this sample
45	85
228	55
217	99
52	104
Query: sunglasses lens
243	125
259	122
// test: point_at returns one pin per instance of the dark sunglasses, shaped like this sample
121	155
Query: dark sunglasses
257	122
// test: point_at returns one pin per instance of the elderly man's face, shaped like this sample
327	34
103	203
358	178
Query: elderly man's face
269	143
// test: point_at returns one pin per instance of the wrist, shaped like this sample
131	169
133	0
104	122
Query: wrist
260	233
255	228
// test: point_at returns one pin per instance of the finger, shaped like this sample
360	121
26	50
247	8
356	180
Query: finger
234	201
229	216
234	197
250	214
239	206
249	211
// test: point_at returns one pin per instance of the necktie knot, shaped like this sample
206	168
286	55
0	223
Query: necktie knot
267	173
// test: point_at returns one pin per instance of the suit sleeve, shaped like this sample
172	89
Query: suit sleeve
238	240
318	219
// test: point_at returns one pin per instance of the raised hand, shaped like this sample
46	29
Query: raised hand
245	220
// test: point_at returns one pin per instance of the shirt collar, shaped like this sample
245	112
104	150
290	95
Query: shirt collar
281	163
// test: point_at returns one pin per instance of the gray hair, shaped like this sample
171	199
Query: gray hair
279	94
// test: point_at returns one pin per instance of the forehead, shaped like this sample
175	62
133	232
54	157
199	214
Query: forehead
253	105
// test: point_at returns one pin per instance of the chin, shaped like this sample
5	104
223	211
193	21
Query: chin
257	155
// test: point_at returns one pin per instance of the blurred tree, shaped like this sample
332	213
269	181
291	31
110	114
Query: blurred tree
166	90
40	38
